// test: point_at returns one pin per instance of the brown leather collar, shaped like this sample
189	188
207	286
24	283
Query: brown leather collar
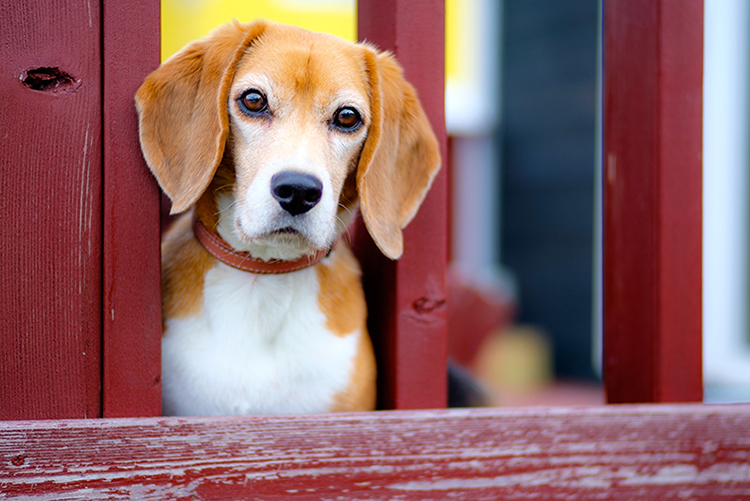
224	252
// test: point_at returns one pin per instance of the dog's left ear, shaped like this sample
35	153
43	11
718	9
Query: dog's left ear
182	111
400	157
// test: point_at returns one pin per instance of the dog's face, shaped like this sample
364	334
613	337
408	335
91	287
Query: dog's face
299	113
293	128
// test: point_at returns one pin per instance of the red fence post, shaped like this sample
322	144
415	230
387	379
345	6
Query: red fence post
653	79
50	229
131	282
406	299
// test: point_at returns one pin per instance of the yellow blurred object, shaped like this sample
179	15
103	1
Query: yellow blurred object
515	360
461	41
186	20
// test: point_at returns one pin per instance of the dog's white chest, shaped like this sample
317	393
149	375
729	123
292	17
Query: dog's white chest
258	346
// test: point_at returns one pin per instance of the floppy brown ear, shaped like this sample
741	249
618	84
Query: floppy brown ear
182	111
400	158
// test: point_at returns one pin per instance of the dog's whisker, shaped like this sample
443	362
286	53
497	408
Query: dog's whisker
342	225
220	212
343	228
347	209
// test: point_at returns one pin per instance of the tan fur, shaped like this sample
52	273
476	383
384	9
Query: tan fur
400	158
304	84
205	208
182	109
194	139
184	265
341	298
361	394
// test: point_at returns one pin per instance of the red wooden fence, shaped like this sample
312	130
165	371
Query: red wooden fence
653	83
59	124
618	452
406	299
81	327
131	293
84	319
50	197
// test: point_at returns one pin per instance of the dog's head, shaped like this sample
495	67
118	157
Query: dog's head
283	131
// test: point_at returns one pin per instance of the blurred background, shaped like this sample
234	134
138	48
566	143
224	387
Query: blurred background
522	110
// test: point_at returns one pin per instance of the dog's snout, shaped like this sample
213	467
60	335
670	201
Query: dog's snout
296	192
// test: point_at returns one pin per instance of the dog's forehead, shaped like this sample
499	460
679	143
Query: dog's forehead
306	61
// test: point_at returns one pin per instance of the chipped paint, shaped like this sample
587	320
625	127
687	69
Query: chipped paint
630	452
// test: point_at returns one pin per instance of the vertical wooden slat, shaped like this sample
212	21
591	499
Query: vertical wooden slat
50	161
132	294
406	299
652	206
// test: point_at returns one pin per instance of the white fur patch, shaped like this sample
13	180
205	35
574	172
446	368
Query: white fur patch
258	346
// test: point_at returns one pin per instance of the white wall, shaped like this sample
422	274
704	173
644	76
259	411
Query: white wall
726	133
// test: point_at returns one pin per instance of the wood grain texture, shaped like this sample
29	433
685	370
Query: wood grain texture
50	201
132	288
652	200
406	299
617	452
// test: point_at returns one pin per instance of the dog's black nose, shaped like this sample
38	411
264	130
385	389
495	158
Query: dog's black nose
296	192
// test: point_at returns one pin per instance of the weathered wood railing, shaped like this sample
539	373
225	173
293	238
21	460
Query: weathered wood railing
664	452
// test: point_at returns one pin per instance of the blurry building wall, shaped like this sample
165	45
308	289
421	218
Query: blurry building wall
547	138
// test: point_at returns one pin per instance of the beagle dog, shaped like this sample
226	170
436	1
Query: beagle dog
269	138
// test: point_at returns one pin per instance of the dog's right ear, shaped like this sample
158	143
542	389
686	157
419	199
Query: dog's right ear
182	111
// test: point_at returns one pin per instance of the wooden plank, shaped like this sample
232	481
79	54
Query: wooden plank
50	78
132	287
406	299
627	452
652	200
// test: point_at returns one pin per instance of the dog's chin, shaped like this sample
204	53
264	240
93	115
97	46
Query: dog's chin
285	244
286	238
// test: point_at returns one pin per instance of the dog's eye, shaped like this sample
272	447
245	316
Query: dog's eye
347	119
253	101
